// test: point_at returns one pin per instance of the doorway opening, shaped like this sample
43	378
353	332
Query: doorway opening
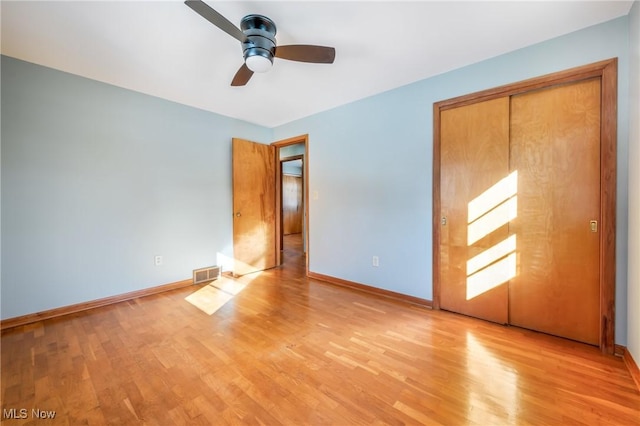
292	207
292	221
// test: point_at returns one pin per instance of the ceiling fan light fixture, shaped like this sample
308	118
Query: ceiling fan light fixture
258	63
257	35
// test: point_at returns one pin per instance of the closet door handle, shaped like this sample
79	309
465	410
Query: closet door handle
593	225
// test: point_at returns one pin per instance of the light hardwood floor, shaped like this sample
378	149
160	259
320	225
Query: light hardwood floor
293	351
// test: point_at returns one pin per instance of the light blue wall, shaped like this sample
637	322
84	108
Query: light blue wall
97	180
633	305
371	165
291	169
288	167
291	150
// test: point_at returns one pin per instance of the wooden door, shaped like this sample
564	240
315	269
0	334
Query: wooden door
291	204
555	148
474	166
254	207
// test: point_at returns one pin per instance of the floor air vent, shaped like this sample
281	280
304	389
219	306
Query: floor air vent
203	275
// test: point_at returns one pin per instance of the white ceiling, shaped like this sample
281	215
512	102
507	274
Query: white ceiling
165	49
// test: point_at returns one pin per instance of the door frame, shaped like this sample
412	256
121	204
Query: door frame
607	71
302	139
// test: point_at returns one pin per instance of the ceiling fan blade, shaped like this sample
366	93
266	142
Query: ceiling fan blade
306	53
242	76
216	19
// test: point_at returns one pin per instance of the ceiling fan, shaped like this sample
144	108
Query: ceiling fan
257	35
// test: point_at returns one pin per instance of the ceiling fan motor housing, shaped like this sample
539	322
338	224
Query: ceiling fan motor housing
261	37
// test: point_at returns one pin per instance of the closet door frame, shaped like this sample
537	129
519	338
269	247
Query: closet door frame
607	71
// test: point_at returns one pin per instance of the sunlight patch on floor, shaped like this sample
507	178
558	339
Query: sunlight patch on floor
215	295
228	285
495	400
209	299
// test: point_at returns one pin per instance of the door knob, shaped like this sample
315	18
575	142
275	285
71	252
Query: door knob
443	220
238	214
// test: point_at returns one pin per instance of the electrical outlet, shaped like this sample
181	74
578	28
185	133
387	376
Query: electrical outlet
158	260
376	261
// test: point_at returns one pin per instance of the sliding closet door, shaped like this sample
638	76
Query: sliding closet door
474	209
555	150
